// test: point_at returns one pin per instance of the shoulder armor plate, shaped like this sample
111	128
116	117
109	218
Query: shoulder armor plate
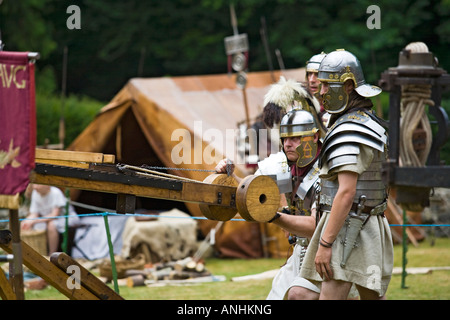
345	136
308	181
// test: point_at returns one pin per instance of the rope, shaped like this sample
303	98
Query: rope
414	151
189	217
180	169
209	240
413	116
105	211
152	173
87	206
414	99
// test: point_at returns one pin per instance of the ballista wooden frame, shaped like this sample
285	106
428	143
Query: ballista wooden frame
220	197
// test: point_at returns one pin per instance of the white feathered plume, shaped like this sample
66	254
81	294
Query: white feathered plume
287	94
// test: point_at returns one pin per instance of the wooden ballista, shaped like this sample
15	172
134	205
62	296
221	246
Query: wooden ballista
220	197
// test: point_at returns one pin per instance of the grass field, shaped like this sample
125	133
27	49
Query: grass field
432	286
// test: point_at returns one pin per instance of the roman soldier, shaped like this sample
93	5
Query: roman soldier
352	243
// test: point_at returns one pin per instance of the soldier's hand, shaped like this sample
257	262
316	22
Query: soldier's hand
322	261
223	165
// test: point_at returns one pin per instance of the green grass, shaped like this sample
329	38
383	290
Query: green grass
434	286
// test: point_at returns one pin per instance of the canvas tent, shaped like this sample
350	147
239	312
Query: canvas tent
160	121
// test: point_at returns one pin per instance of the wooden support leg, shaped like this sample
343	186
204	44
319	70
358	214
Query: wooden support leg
40	266
6	291
87	279
396	213
126	203
16	268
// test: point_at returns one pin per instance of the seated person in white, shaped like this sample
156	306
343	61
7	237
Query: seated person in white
47	203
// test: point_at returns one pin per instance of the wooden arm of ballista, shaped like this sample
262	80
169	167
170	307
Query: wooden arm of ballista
257	198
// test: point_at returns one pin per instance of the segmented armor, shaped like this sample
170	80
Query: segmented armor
342	146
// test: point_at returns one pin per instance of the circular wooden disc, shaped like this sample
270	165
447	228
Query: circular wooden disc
257	198
218	212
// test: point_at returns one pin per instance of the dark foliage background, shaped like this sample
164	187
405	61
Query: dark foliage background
119	40
181	37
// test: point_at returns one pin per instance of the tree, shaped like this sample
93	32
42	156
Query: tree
123	39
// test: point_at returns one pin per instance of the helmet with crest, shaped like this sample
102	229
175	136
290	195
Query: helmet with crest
335	69
300	118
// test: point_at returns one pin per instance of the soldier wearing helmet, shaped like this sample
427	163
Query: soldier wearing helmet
313	83
300	134
312	69
352	243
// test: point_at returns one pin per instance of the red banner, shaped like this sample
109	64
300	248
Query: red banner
17	121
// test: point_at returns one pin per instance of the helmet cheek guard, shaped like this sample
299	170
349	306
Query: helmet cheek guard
306	150
336	68
336	98
301	123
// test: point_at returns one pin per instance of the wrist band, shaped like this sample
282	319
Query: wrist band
325	243
330	244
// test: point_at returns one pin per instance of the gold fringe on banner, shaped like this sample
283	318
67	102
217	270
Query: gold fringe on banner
9	201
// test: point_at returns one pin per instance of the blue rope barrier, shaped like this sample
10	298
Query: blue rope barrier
191	217
111	251
419	225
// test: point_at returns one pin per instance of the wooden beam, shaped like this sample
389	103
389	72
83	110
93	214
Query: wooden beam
426	177
87	279
191	191
49	272
397	215
15	267
75	164
256	199
6	291
80	156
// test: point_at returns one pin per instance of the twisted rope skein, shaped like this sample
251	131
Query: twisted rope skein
413	116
